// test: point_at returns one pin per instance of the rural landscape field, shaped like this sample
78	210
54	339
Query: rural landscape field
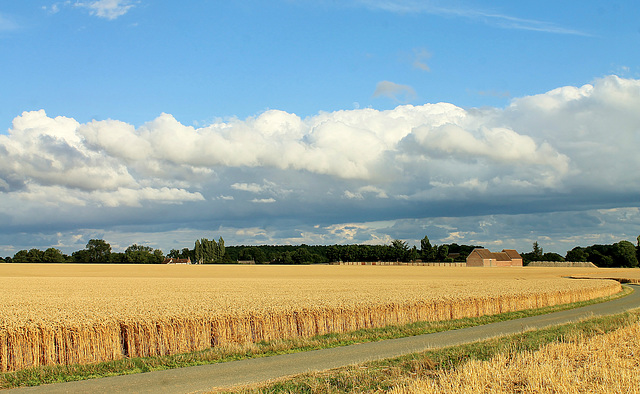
602	364
65	314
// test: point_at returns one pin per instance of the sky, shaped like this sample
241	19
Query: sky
493	123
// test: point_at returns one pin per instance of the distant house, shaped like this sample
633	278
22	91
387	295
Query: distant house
485	258
171	260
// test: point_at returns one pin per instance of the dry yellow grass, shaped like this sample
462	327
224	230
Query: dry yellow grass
603	364
63	314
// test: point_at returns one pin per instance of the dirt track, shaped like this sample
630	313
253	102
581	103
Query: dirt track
208	377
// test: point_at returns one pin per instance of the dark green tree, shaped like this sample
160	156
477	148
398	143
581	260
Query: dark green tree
21	256
80	256
576	254
400	250
413	254
333	253
53	255
98	251
597	257
35	255
302	256
198	252
186	253
158	257
427	252
221	250
118	258
537	252
550	256
443	253
258	256
625	255
140	254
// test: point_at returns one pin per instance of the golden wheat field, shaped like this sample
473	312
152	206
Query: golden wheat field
606	363
64	314
625	275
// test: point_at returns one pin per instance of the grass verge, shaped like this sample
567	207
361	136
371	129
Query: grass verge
57	374
379	376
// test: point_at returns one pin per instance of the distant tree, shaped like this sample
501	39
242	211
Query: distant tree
285	258
35	255
413	254
53	255
625	255
600	259
442	253
139	248
198	252
81	256
21	257
537	251
576	254
158	257
8	259
186	253
221	250
427	252
400	250
258	256
140	254
174	254
118	258
302	256
552	257
333	253
209	251
98	251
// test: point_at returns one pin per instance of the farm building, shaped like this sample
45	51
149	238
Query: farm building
485	258
171	260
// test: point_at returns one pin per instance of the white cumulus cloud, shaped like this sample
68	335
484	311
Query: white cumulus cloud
571	145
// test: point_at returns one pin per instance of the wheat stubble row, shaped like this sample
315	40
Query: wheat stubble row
84	314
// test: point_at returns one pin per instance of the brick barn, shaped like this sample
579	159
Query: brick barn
485	258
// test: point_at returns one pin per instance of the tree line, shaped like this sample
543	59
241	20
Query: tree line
397	250
97	251
620	254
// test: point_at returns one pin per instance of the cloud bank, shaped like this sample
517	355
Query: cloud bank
569	149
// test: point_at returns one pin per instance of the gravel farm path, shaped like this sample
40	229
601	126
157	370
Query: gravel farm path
208	377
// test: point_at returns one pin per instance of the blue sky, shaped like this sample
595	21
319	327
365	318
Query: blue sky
158	122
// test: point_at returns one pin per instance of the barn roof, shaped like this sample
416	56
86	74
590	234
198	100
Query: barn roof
505	255
501	256
483	253
512	253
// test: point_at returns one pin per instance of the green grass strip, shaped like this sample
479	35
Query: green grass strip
66	373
